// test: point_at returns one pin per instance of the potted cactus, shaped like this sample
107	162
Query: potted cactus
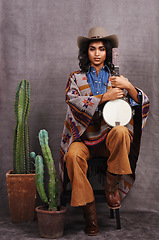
21	180
51	217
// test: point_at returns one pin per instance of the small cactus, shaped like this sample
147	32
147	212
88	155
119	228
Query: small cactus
21	158
39	176
53	181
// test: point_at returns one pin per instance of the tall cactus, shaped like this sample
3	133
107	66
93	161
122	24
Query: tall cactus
21	159
53	181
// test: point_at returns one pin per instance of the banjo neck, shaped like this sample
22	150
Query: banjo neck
114	69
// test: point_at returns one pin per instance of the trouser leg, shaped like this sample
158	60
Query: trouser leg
76	163
118	144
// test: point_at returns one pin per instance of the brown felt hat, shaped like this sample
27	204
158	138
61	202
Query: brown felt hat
99	33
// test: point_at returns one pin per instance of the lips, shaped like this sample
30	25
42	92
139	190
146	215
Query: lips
97	59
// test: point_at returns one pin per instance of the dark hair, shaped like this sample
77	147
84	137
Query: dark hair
83	58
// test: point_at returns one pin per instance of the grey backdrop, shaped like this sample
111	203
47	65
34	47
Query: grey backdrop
38	43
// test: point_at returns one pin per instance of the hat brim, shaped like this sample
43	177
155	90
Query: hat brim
113	39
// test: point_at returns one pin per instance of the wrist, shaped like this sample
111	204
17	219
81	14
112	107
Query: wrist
104	98
129	86
101	100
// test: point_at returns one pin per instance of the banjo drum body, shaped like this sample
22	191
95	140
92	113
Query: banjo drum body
117	112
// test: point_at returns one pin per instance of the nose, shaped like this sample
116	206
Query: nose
97	52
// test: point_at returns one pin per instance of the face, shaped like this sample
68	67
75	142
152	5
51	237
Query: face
97	53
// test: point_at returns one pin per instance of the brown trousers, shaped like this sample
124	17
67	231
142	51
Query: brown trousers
116	147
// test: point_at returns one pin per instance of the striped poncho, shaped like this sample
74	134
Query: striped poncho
82	106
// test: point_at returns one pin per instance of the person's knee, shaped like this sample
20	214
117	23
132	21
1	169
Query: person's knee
76	154
119	134
70	156
121	131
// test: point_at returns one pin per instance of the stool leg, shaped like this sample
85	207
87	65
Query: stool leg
118	218
117	213
111	213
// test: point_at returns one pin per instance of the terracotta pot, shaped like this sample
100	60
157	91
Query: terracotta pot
51	223
21	196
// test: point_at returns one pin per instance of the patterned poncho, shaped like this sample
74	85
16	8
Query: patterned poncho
82	105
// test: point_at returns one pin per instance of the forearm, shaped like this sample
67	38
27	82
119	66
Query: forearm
104	98
133	92
112	94
123	83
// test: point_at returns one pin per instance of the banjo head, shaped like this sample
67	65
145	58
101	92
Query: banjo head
117	112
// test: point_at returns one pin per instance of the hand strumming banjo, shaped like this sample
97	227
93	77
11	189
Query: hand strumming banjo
118	111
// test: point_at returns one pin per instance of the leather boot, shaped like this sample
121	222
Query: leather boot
111	190
91	219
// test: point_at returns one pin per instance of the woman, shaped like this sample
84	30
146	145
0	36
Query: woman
85	132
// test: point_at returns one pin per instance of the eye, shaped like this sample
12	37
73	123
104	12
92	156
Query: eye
102	49
91	48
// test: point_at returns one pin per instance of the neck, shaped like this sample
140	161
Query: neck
97	68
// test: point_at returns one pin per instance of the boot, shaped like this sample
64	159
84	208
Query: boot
111	190
91	219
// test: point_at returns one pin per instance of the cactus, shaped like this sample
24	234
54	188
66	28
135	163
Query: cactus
53	181
39	176
21	159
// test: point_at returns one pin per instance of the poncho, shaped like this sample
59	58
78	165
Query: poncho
82	105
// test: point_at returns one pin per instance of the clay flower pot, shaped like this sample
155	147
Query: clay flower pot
51	223
21	196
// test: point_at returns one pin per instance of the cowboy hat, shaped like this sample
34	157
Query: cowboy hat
99	33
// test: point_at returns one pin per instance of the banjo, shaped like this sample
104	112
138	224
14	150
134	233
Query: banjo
118	111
